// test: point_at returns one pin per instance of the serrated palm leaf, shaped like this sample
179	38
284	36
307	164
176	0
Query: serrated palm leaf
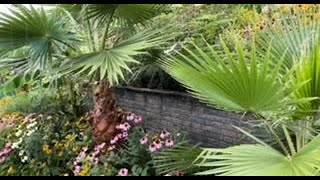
179	158
42	34
308	69
261	160
232	84
111	62
294	33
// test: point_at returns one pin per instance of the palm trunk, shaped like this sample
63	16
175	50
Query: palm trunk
105	115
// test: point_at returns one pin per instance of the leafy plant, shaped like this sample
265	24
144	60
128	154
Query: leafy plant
247	159
239	83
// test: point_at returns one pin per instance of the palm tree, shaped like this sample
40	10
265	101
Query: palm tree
277	80
86	40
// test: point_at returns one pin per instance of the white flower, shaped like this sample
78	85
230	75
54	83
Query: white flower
24	159
21	153
15	145
30	132
31	125
49	117
18	134
33	120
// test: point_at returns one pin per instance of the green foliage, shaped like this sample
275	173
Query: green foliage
296	34
42	34
133	155
308	69
47	101
247	159
180	158
241	85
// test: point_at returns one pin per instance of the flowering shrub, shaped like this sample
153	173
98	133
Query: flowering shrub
39	144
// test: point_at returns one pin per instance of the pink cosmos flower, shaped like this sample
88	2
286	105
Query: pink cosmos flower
144	140
138	119
123	172
164	134
153	148
169	143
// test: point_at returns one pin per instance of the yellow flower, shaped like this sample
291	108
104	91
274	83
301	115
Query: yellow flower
67	123
45	147
75	149
49	151
58	145
10	170
69	136
84	171
67	144
60	154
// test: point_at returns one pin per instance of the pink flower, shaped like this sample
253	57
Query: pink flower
75	163
130	117
169	143
125	134
101	146
119	135
144	140
85	149
138	119
158	144
96	153
123	172
153	148
77	170
8	145
112	141
96	160
118	126
1	153
164	134
179	173
6	151
82	154
126	126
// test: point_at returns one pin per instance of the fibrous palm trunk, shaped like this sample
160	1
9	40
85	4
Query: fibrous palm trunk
105	115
